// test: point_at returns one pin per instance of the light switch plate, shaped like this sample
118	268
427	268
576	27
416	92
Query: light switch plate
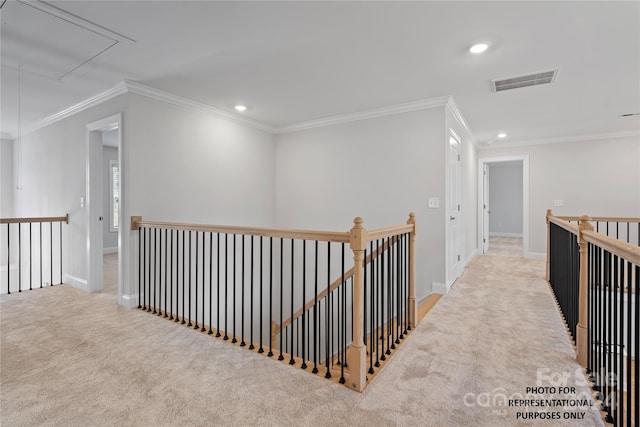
434	202
558	202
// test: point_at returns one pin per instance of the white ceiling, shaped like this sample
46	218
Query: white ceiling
292	62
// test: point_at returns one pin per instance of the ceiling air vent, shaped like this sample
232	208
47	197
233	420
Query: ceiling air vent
540	78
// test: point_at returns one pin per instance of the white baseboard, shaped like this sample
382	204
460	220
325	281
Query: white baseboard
76	282
492	234
440	288
129	301
535	255
113	250
471	257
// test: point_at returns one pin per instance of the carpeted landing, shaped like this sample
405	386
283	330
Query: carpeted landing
74	359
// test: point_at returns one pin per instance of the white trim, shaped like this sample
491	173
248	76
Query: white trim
525	195
129	301
366	114
113	250
74	281
471	257
77	20
535	255
575	138
160	95
493	234
440	288
113	163
457	114
117	90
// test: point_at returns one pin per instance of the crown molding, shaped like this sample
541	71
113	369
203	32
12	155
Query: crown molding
367	114
455	110
117	90
160	95
575	138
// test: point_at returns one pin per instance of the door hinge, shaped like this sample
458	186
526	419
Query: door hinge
484	206
458	157
458	257
458	208
484	240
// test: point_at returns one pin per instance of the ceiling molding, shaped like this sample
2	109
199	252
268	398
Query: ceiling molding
117	90
367	114
76	20
455	110
160	95
576	138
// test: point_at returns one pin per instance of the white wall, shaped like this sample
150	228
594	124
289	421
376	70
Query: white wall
380	169
599	177
6	178
505	199
109	238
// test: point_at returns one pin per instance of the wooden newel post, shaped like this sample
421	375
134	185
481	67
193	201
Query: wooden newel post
582	330
135	221
356	356
549	215
413	304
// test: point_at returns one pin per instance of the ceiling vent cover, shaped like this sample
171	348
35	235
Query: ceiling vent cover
534	79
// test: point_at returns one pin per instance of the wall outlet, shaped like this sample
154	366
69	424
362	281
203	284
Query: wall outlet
558	202
434	202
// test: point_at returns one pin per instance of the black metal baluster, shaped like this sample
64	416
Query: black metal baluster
202	329
291	361
20	261
40	255
218	284
630	355
372	312
396	290
50	252
304	285
8	259
328	319
148	263
636	353
282	332
30	260
376	308
171	275
166	269
183	274
139	266
343	287
210	332
195	306
261	349
251	346
389	301
242	343
61	252
270	353
155	271
159	280
226	286
614	341
621	347
315	313
234	340
188	268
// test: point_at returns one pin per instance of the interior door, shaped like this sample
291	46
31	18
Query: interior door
485	209
453	210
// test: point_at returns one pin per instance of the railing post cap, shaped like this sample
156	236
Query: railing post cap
585	218
549	212
357	222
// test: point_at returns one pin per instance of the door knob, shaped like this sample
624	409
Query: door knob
452	218
99	218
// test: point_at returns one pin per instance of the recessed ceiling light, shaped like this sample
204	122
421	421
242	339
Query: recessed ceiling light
240	107
502	135
478	48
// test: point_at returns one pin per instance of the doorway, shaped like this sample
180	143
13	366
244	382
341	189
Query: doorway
503	211
103	204
454	258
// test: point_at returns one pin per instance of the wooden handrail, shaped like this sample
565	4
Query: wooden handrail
617	247
336	283
600	218
572	228
64	219
324	236
382	233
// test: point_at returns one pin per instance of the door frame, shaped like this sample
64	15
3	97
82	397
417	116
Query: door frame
460	217
525	198
94	183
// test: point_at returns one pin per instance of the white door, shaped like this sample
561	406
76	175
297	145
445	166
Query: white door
485	209
453	211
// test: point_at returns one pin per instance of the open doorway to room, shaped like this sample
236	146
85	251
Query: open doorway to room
504	206
103	205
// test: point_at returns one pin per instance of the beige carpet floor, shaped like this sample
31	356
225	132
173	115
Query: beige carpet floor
74	359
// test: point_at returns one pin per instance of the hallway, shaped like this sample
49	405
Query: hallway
71	358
